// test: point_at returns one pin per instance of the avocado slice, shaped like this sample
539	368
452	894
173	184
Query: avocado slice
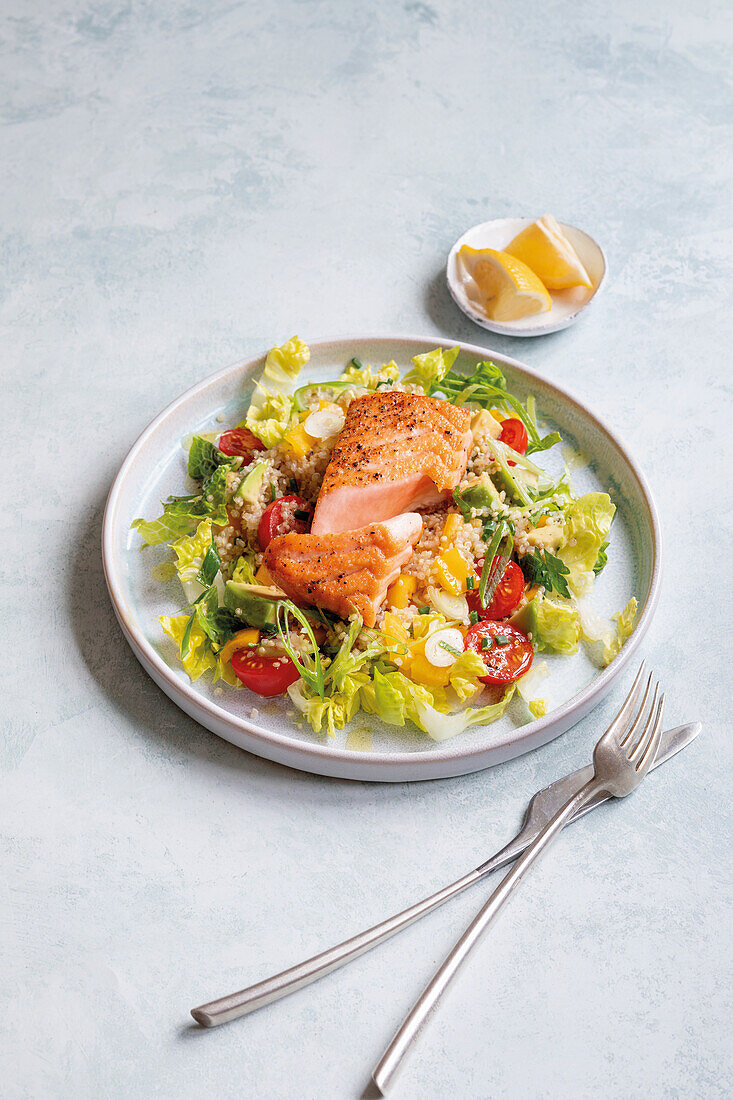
256	604
249	488
481	495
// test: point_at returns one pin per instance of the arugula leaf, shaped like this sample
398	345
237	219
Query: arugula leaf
311	674
203	459
545	443
543	568
485	387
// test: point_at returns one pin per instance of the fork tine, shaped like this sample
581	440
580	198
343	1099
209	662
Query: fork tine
647	732
627	709
650	751
640	714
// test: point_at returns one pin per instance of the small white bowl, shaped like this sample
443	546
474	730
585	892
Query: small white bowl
567	305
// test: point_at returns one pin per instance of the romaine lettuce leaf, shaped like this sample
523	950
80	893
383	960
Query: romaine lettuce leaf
429	369
338	705
365	376
244	570
203	458
394	698
182	515
441	726
587	523
271	405
554	624
604	638
200	655
465	673
527	686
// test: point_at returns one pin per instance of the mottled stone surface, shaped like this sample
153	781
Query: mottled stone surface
182	185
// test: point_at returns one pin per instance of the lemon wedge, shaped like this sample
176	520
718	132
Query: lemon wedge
544	248
510	290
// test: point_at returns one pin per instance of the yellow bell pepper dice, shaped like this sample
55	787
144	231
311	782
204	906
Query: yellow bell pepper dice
264	577
298	440
422	672
242	639
394	628
452	525
451	570
401	592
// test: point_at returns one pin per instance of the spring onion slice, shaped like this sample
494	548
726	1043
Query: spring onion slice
502	544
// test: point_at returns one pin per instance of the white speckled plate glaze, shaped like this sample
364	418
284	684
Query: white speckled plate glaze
567	305
368	749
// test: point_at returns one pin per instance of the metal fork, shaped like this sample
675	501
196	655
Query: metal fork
621	759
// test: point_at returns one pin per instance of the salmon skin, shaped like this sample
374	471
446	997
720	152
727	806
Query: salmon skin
396	452
344	572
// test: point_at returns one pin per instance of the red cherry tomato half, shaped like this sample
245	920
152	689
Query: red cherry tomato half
506	651
279	518
514	434
239	441
506	597
266	675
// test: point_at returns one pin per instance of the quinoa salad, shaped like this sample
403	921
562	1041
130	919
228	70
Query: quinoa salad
434	613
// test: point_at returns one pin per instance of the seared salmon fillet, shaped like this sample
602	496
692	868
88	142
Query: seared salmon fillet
345	572
396	452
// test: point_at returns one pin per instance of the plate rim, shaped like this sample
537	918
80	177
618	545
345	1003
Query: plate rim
507	328
437	762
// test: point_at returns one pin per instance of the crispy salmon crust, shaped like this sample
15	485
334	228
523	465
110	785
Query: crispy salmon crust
345	572
396	452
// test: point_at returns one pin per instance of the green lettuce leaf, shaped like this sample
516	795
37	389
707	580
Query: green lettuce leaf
554	625
219	624
587	523
182	515
271	405
605	638
465	673
199	656
169	526
528	685
244	569
440	726
394	698
337	707
203	459
429	369
359	375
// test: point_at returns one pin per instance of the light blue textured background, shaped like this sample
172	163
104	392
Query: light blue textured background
184	184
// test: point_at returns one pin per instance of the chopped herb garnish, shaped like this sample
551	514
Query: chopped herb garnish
473	618
293	485
501	639
470	583
486	643
356	362
451	648
425	610
273	491
300	513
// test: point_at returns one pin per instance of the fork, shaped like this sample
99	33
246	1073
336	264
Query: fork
621	759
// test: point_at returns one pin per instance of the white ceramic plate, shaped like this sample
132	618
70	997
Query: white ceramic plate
368	749
567	305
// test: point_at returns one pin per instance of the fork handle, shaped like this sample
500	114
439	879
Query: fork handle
393	1057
